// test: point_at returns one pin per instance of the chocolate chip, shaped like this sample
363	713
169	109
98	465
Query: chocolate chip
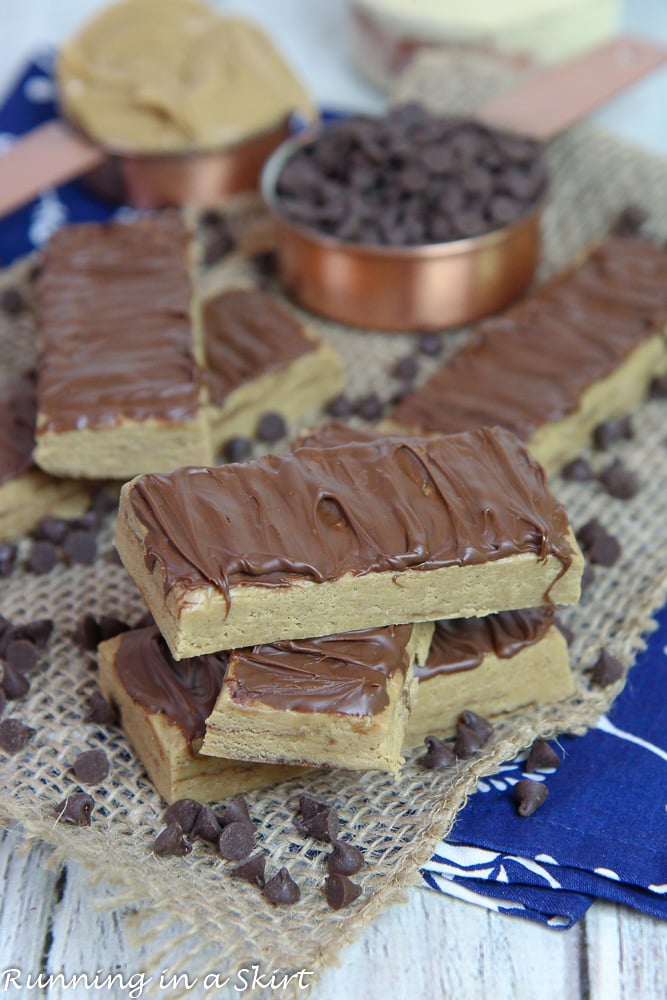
472	733
529	796
339	406
12	301
21	654
340	891
170	843
76	809
236	811
271	427
322	825
610	431
236	841
218	243
185	813
606	670
38	631
51	529
103	502
146	621
3	700
369	407
578	471
438	754
406	368
619	481
282	890
566	632
658	387
345	859
588	575
237	449
8	554
80	546
542	755
308	806
629	221
100	711
252	870
14	735
42	557
15	684
206	826
599	546
109	627
90	521
87	634
430	344
91	767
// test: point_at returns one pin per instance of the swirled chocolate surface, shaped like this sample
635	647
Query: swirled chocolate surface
248	333
339	674
318	514
185	691
462	643
18	413
531	365
114	325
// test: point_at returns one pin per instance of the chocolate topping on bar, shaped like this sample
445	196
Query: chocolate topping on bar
248	332
344	674
387	505
531	365
462	643
18	414
185	691
111	300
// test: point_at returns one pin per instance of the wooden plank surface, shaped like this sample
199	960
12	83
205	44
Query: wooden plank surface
429	947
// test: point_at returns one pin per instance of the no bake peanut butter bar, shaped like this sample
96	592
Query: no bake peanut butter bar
581	349
492	666
26	493
333	540
163	707
337	701
119	347
256	352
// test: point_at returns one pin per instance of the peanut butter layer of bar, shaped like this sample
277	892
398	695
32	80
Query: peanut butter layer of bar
119	341
259	358
329	540
26	493
163	707
492	666
337	701
581	349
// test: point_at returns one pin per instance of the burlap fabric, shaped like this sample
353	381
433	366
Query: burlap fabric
188	912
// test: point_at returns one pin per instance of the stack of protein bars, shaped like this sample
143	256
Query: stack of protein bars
295	599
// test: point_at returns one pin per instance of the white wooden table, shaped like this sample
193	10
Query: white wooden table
429	947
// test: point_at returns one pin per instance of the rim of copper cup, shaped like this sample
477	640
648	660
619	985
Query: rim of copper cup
451	248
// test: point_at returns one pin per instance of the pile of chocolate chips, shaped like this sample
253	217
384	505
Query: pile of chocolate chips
410	178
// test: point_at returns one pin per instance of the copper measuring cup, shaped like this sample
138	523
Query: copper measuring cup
56	152
439	285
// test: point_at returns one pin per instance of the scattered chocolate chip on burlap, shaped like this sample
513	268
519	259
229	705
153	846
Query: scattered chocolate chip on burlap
80	546
542	755
170	843
91	767
619	481
76	809
236	841
321	824
438	754
271	427
578	471
14	735
369	407
184	812
607	670
236	811
21	654
472	733
612	430
43	556
100	711
430	344
339	406
206	826
529	796
252	870
51	529
406	368
15	684
658	387
282	890
598	544
340	891
8	553
345	859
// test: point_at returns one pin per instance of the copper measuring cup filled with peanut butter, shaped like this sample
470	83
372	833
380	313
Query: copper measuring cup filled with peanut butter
439	271
163	102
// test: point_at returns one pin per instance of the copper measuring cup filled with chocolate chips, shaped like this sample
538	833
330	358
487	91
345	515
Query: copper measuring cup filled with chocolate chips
417	222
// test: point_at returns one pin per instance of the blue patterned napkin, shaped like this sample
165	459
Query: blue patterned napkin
602	832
